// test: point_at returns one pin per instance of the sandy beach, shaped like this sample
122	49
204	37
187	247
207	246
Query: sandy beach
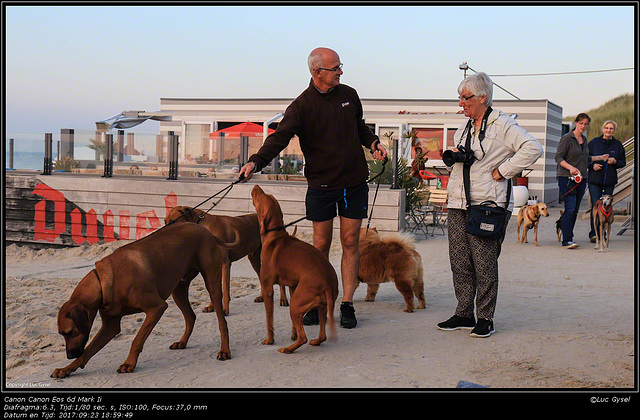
565	320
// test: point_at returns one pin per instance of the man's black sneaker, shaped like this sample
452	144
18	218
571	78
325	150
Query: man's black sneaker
456	322
311	317
484	328
347	315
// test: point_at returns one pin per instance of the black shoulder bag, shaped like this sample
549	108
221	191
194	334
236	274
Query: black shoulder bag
486	219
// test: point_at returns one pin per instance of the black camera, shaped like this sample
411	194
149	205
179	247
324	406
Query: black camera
449	157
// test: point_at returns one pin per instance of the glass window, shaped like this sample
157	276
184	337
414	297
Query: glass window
196	144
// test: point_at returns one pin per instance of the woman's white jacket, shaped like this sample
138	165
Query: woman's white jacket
507	146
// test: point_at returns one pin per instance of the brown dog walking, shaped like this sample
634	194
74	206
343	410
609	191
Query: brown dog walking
139	277
602	219
529	217
225	228
288	261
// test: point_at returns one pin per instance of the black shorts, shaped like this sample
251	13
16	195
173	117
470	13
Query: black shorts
351	203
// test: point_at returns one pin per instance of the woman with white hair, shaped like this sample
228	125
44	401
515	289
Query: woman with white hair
492	148
603	175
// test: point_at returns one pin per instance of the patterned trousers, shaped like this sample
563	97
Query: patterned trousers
474	264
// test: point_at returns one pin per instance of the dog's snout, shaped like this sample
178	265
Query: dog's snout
74	353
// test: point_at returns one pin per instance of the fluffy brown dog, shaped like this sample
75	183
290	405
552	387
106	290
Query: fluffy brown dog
223	227
602	219
139	277
391	258
288	261
529	217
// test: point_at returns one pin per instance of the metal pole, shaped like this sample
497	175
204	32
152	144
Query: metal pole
173	156
10	153
48	159
394	166
244	151
108	156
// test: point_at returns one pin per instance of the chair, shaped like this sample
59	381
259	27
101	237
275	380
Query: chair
416	216
437	206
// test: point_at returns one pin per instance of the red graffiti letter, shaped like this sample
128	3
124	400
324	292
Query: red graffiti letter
141	222
41	231
107	220
92	227
170	201
124	224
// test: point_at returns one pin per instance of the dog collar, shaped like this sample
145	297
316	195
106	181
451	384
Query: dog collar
606	215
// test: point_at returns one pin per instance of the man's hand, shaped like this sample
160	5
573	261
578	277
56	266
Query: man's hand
247	171
379	152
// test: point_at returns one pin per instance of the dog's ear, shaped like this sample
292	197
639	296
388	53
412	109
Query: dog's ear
81	317
189	214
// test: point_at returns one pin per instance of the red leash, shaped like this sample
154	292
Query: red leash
564	194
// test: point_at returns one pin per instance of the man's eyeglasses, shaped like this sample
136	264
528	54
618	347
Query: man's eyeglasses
336	68
462	98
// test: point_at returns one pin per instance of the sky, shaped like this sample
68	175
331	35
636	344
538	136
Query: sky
70	66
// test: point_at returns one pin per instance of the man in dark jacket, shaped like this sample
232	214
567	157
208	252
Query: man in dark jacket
603	177
328	119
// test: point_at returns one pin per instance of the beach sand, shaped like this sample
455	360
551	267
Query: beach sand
564	320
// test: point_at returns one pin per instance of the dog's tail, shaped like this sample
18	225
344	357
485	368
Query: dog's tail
229	245
332	294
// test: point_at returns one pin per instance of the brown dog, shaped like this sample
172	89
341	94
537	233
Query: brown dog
602	212
139	277
223	227
529	217
288	261
391	258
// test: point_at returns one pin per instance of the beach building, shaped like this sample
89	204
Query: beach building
433	121
200	146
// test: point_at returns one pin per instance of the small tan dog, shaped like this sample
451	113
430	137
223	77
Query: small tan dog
391	257
529	217
602	220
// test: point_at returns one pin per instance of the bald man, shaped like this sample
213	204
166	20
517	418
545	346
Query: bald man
328	120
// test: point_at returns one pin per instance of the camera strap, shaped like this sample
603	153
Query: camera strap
466	169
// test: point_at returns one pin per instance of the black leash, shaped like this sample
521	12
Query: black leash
384	162
227	189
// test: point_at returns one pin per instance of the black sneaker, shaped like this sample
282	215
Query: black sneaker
456	322
483	328
311	317
347	315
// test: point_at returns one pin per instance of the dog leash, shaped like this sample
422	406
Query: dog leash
226	189
344	197
577	183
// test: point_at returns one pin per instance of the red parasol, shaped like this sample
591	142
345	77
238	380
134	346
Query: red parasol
245	129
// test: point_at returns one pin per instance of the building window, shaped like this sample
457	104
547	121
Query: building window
430	140
196	143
